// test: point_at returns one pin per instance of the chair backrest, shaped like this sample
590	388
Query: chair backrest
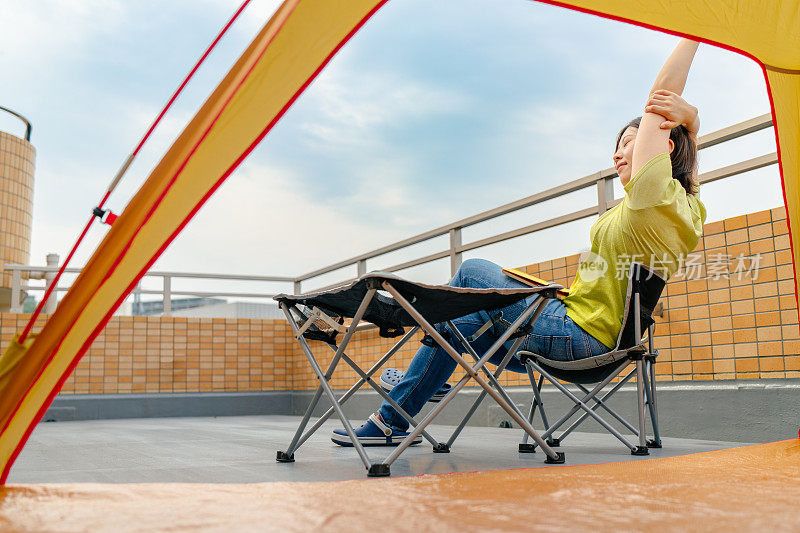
646	286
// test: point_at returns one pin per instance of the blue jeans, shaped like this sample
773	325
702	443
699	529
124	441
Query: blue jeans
554	335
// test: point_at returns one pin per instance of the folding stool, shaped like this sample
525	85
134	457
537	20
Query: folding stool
644	290
320	316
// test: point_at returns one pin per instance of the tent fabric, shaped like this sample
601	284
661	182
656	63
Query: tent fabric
291	49
437	303
749	488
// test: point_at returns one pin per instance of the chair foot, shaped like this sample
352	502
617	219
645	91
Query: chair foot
640	450
559	460
527	448
653	443
284	458
442	447
379	470
554	443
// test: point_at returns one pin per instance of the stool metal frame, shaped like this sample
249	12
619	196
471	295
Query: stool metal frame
304	312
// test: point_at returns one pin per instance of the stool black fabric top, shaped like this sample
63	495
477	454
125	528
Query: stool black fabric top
437	303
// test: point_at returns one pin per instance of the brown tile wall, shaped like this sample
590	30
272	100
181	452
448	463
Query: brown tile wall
716	324
153	354
722	319
17	157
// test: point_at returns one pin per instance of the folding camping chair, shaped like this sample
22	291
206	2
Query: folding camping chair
320	316
644	290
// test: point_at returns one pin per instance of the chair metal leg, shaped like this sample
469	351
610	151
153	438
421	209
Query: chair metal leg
537	393
640	386
324	378
288	455
580	404
536	401
650	388
600	402
356	386
472	372
385	396
482	395
597	405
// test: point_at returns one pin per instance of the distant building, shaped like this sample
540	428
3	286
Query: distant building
17	159
157	308
234	310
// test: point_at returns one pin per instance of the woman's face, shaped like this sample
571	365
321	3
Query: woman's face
624	154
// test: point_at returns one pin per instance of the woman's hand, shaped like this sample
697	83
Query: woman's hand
675	109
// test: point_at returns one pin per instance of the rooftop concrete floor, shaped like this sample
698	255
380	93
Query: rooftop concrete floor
242	449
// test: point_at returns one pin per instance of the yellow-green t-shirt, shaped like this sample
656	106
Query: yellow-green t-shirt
657	223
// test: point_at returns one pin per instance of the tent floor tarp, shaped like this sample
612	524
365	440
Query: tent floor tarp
742	488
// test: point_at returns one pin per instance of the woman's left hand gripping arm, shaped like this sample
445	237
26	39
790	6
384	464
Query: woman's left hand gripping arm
676	111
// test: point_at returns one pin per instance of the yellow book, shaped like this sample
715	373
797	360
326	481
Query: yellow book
533	281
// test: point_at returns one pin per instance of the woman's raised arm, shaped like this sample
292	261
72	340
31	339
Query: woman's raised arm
651	140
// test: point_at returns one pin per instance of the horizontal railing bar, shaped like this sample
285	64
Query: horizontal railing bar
734	132
332	285
563	219
207	294
204	294
739	168
234	277
416	262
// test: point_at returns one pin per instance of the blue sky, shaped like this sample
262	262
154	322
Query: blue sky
433	112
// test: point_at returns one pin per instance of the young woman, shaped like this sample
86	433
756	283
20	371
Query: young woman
658	222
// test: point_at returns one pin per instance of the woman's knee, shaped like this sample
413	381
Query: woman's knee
473	269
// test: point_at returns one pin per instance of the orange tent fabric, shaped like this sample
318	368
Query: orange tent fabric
753	488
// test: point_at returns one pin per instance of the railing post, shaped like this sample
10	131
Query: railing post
136	309
167	296
297	288
16	291
362	267
605	193
52	302
455	256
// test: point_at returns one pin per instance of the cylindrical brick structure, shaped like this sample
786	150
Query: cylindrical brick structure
17	157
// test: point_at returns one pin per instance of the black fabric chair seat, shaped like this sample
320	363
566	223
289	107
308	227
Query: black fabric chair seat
588	370
437	303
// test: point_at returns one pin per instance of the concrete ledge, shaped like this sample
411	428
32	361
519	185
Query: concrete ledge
736	411
105	406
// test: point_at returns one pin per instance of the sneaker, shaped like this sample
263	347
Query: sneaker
391	377
373	433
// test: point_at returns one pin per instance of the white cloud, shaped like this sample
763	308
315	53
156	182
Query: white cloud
39	32
260	222
355	107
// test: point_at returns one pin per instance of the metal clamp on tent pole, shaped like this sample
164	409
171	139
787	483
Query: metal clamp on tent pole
105	215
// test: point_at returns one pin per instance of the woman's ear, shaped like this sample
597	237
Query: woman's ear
671	145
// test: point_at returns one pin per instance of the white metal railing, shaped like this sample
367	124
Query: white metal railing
166	292
602	181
